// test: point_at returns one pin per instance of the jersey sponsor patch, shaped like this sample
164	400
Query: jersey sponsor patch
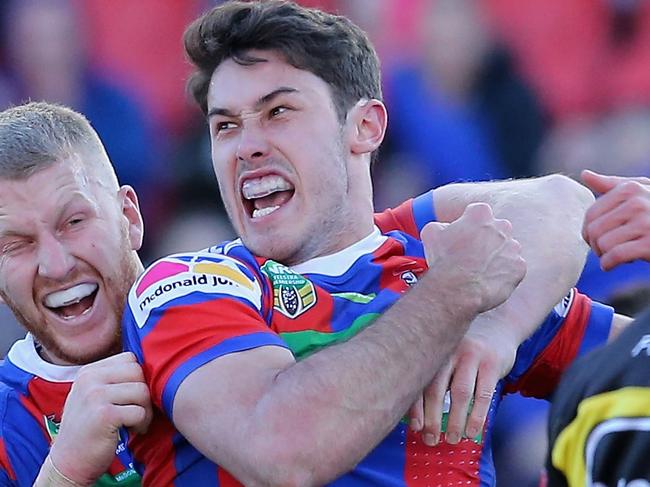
293	294
175	277
562	308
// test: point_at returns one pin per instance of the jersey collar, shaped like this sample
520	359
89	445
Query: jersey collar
340	262
23	355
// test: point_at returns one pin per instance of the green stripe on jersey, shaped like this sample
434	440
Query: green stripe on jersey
304	343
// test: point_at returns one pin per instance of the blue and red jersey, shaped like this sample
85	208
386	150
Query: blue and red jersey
189	309
32	395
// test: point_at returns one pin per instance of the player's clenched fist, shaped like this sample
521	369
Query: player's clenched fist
105	396
477	256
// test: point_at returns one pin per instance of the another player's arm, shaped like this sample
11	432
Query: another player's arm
546	215
287	415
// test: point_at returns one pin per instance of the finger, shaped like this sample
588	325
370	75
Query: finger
504	226
416	414
128	393
431	231
478	212
133	416
619	235
121	371
626	252
434	406
430	236
629	191
485	384
601	183
108	362
462	390
627	208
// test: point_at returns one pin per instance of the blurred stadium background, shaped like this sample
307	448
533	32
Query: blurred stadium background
476	89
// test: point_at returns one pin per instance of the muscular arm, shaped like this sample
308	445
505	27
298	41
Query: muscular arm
546	215
272	421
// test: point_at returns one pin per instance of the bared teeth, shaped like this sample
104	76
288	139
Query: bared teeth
264	186
258	213
70	296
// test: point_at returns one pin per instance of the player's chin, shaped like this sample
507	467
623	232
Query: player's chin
84	352
280	248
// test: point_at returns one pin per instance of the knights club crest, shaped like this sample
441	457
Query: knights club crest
292	293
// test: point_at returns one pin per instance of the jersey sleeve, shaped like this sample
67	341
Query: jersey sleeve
409	217
23	445
188	310
7	473
574	327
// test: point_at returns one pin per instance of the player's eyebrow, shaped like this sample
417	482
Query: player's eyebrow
263	100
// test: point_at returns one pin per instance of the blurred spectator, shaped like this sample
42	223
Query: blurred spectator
582	56
633	301
610	143
193	228
617	141
142	40
46	60
458	110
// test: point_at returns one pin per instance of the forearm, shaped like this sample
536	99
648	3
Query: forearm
546	215
368	403
49	476
315	419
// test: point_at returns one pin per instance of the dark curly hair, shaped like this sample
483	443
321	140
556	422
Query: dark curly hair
329	46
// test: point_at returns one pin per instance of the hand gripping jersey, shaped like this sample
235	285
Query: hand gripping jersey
599	431
32	395
189	309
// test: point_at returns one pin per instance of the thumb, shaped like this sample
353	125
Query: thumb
430	235
431	231
600	183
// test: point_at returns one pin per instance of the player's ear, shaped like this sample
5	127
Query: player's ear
367	119
131	211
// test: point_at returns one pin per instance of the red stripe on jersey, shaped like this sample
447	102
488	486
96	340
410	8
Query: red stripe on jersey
183	332
441	465
395	266
5	464
47	398
155	451
399	218
227	480
545	373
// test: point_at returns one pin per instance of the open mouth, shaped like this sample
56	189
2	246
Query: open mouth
72	302
264	195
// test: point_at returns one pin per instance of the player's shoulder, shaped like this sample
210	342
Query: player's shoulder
14	415
621	363
184	278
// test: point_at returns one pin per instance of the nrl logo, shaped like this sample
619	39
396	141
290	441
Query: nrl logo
292	293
